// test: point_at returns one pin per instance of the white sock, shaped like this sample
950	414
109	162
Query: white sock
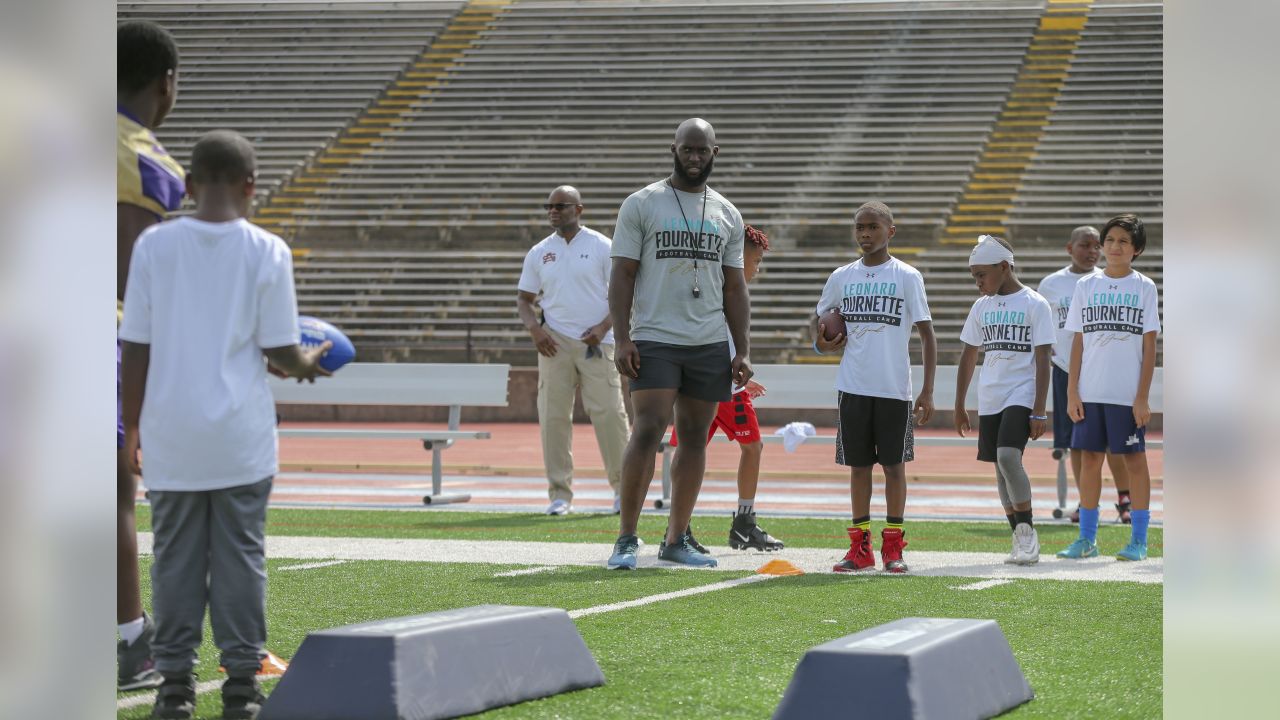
130	631
746	505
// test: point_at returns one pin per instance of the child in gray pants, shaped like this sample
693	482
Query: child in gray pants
209	295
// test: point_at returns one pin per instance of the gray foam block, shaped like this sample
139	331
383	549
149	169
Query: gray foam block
911	668
439	665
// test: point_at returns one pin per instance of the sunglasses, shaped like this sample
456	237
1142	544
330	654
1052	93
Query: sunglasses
558	206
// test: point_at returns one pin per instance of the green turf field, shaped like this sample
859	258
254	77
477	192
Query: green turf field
1089	649
583	527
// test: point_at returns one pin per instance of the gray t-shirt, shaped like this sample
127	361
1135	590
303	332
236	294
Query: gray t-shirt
652	230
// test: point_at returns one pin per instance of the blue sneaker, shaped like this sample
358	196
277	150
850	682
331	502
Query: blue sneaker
1081	548
624	553
1133	552
685	553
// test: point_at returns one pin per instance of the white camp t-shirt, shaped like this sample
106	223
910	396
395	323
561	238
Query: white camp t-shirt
1058	288
574	280
1113	314
1008	328
879	304
208	298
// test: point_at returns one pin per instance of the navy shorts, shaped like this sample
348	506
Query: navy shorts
872	430
703	372
1109	428
1011	427
1062	423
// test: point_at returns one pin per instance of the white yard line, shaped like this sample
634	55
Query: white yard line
149	697
515	554
724	585
312	566
983	584
526	571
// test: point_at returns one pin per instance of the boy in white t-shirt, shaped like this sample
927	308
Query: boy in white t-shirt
1013	325
1115	315
880	298
1058	287
208	296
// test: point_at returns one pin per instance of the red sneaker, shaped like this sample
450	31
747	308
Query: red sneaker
891	544
860	555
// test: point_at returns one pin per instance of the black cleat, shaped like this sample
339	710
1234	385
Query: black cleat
747	535
176	698
242	698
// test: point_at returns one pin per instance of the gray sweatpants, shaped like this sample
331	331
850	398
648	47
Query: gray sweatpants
210	549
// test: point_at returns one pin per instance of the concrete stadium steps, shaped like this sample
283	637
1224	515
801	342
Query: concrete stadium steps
289	76
450	304
1102	149
383	122
610	76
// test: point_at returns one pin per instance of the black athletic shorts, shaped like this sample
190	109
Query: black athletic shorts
704	372
874	430
1011	427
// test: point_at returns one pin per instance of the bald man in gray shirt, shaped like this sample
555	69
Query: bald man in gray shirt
677	280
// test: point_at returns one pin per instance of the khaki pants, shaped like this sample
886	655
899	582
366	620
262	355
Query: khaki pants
601	385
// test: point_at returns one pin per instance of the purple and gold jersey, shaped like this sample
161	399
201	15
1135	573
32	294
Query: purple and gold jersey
146	175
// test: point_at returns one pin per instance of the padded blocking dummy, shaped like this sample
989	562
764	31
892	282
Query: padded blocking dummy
439	665
911	668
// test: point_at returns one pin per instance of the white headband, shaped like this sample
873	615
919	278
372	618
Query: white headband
989	251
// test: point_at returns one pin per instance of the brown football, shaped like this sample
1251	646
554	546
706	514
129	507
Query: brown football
832	325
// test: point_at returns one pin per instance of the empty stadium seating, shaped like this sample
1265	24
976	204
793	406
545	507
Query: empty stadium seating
459	305
1102	151
289	76
406	147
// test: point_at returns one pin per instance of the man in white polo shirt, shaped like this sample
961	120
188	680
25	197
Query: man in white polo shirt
570	267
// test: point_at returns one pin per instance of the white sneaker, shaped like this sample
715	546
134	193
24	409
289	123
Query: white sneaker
617	505
1013	553
559	507
1026	543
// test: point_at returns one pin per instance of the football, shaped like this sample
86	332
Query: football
831	324
315	331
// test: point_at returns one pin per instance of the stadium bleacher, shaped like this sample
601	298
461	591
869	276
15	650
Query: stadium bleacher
406	147
288	76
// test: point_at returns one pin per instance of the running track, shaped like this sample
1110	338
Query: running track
504	473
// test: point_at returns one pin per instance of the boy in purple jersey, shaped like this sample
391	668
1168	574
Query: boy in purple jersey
149	185
1115	315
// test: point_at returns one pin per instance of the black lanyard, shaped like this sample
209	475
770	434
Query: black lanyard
697	291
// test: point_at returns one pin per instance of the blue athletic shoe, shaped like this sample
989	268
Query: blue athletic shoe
685	553
624	553
1081	548
1133	552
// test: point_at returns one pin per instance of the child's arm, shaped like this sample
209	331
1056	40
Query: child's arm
1039	420
1141	402
964	374
135	361
298	362
929	344
1075	408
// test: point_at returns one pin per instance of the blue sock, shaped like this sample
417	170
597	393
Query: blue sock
1089	524
1141	519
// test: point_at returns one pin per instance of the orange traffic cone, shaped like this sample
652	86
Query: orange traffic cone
272	666
779	567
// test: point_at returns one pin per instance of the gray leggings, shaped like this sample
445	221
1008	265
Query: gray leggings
1011	477
210	548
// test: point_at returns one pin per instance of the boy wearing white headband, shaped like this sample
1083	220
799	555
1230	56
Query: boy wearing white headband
880	298
1013	325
